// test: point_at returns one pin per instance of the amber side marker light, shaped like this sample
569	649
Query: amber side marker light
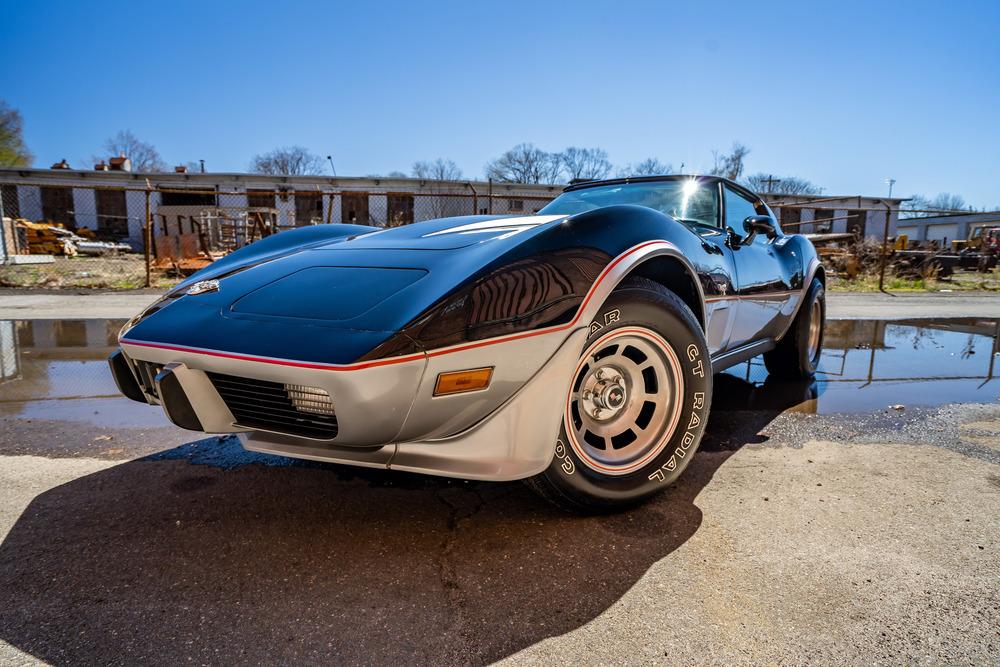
458	382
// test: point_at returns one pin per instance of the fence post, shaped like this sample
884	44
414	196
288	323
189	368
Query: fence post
490	196
885	243
147	241
4	259
475	198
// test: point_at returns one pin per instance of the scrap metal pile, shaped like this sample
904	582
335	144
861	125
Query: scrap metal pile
44	238
845	255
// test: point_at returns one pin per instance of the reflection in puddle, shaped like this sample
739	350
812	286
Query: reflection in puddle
56	369
870	365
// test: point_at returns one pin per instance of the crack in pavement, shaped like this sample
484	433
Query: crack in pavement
460	511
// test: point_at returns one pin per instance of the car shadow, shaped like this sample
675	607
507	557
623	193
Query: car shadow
208	553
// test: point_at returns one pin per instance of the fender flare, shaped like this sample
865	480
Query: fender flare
808	276
620	267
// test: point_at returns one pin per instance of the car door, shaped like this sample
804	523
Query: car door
763	282
700	211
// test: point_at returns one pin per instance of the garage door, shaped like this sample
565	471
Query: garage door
942	233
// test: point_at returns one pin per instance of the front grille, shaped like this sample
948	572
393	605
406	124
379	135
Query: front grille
273	406
146	373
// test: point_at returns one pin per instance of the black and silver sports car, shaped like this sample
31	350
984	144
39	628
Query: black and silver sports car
573	348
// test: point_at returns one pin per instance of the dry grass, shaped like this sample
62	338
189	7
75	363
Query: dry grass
960	281
116	272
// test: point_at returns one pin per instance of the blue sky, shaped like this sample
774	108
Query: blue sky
843	93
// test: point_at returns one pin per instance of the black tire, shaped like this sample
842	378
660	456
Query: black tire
645	325
797	356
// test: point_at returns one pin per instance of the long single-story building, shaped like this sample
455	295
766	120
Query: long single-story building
113	203
856	214
946	228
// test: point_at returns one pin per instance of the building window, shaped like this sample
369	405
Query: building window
57	206
11	207
182	198
516	204
354	208
308	208
112	214
856	223
400	210
823	218
260	198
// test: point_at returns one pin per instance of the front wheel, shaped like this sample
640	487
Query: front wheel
796	356
638	404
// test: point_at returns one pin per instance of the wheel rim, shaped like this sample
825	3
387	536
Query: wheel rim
625	401
815	328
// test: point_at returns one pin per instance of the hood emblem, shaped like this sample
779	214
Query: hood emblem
203	286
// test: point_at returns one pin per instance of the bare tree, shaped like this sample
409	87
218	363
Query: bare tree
786	185
920	206
144	157
585	163
730	164
287	161
525	164
13	151
949	202
438	170
648	167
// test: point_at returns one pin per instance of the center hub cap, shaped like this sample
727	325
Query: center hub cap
604	393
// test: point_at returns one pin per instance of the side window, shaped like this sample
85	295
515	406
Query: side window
738	209
692	203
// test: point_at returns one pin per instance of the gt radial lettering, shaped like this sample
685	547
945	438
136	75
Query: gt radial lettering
687	440
694	355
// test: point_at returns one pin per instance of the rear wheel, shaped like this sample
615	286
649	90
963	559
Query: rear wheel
797	354
638	404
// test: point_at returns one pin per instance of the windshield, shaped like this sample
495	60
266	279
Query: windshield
688	199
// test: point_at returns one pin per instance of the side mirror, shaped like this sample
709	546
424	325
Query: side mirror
759	224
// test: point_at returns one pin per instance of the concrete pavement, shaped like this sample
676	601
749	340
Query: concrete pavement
792	538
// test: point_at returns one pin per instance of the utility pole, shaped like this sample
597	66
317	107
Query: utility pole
202	166
332	168
891	182
771	180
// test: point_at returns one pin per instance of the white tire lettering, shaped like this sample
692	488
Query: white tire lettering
687	440
566	463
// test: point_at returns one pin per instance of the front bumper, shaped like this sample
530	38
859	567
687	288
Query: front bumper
387	416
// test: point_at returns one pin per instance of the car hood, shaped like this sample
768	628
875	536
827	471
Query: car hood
333	301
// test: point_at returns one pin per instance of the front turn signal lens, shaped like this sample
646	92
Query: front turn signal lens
458	382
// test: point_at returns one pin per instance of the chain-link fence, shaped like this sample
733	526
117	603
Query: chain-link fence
121	237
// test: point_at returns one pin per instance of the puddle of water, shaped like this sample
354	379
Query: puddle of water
56	369
870	365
